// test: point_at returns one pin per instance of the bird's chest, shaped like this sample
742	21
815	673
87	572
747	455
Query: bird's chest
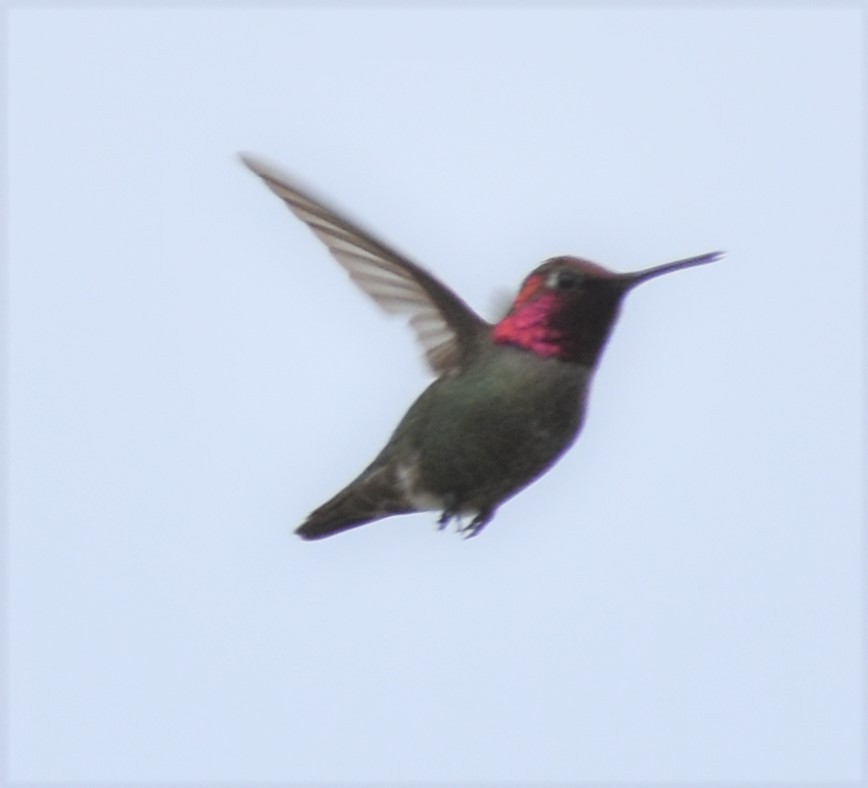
509	413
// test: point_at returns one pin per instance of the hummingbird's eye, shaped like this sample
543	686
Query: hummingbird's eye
565	280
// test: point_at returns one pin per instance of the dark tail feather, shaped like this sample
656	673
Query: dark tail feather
319	526
370	497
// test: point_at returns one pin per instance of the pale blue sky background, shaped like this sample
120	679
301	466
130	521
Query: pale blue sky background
190	374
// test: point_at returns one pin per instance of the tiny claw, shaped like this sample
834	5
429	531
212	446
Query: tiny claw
449	513
476	525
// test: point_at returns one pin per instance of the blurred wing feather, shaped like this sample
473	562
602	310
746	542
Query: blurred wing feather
444	325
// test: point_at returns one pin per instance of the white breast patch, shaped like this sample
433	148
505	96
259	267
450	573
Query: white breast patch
407	477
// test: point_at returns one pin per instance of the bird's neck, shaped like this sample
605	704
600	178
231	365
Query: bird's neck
550	328
529	326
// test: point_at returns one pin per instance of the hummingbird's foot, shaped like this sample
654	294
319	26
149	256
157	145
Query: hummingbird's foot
445	518
476	524
449	513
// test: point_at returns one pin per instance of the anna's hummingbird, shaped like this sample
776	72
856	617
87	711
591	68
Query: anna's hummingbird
509	398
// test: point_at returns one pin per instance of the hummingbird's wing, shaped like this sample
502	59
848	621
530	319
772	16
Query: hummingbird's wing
445	326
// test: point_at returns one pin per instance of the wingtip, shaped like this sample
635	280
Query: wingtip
254	163
276	178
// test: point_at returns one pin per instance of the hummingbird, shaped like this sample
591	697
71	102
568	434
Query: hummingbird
509	397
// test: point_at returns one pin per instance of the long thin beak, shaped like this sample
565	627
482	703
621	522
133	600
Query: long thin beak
637	277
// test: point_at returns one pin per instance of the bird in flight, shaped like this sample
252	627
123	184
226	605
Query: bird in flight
509	398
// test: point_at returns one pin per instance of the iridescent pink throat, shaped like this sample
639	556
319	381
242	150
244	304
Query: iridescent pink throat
528	324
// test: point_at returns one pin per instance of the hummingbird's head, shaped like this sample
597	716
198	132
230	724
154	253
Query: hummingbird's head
566	307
